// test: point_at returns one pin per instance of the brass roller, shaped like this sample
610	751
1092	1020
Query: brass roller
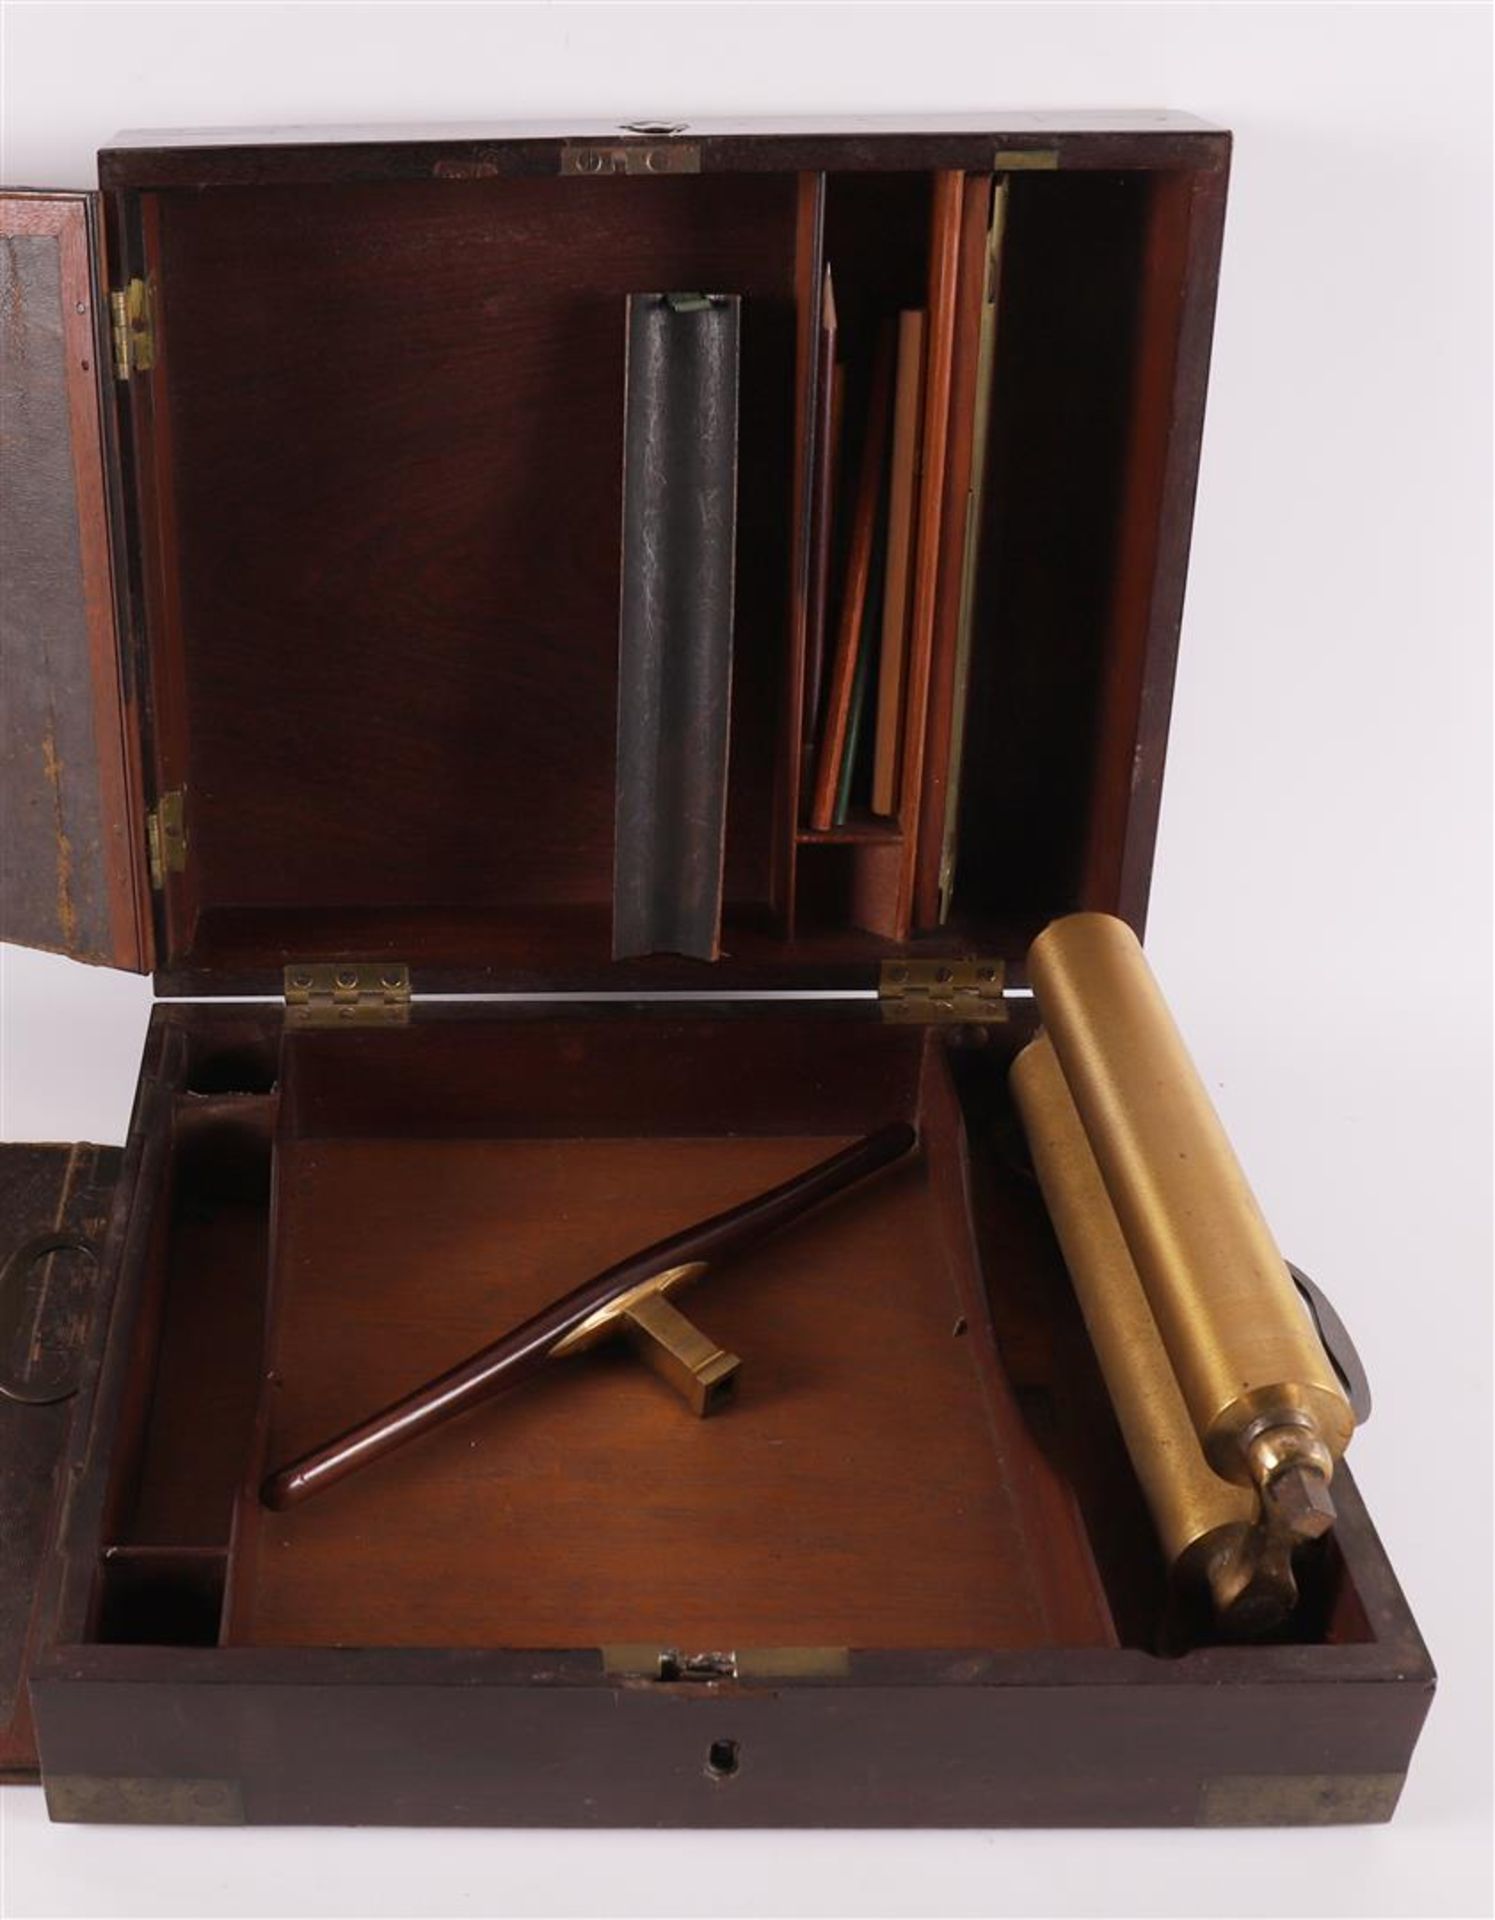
1264	1400
1209	1527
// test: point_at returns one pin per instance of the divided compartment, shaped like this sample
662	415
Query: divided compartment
161	1596
877	238
1065	511
1088	342
194	1382
382	569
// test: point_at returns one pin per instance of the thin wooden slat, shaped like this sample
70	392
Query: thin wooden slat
796	746
955	530
944	261
895	610
854	598
822	508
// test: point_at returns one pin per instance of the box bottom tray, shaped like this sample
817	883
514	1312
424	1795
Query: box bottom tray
905	1579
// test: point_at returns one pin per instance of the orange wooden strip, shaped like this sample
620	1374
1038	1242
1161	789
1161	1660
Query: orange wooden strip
974	222
895	611
854	600
944	260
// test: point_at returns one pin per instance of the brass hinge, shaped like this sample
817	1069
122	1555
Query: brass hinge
166	836
360	993
942	992
673	156
132	325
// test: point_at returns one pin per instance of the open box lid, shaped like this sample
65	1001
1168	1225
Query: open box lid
72	873
317	636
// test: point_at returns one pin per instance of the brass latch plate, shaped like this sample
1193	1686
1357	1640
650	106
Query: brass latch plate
132	328
1025	160
166	836
634	156
649	1661
940	992
347	993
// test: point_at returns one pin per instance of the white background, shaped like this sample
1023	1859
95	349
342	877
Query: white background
1321	913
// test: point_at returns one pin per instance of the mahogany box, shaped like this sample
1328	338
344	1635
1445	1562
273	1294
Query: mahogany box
314	451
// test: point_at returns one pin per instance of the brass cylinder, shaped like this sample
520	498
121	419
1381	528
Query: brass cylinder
1262	1395
1203	1522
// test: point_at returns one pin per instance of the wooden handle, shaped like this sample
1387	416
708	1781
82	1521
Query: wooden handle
518	1355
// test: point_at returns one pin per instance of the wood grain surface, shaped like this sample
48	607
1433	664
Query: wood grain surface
72	865
46	1193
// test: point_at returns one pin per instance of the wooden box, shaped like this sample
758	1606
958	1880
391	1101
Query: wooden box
314	458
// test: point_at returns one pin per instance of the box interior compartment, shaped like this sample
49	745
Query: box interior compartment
921	1454
378	468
